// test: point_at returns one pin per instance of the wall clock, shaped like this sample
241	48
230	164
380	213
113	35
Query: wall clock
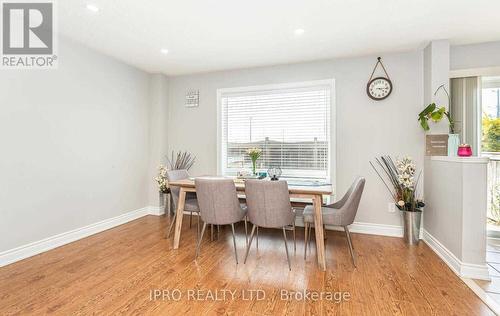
379	88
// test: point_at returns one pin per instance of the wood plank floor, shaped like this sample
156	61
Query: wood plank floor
492	288
115	271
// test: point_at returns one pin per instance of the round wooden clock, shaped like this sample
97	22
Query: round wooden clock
379	88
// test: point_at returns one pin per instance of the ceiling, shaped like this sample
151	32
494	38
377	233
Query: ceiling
209	35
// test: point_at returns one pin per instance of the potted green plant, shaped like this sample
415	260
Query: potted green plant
436	114
399	179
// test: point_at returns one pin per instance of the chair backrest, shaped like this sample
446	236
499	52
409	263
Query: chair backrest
218	201
268	203
350	201
173	175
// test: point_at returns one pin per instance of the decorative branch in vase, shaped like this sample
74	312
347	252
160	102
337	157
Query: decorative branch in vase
181	160
254	154
399	179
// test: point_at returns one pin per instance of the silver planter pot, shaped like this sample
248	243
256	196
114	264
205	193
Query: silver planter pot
411	226
162	198
164	202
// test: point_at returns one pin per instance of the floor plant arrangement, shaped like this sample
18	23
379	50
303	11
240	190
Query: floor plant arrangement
399	179
163	189
180	160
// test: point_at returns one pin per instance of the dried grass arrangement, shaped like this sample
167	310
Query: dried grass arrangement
181	160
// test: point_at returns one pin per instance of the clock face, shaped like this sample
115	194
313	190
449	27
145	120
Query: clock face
379	88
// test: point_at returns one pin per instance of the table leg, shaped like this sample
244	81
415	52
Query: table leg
178	217
318	224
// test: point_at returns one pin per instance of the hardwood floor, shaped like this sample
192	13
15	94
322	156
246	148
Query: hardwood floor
115	272
492	288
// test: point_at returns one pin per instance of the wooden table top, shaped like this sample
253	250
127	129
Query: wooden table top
240	186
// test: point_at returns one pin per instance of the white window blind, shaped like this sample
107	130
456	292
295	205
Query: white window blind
290	124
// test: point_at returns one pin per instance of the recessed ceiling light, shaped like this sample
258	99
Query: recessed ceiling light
299	32
164	51
92	8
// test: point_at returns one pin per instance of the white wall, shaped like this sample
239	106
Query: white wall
74	145
455	214
436	73
158	133
365	128
475	56
443	211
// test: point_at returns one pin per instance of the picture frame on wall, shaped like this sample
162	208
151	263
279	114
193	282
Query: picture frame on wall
192	99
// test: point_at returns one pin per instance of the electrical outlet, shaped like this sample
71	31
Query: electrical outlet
391	207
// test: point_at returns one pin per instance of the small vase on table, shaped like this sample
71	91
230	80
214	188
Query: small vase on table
453	143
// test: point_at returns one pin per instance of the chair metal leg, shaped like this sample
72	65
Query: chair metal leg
305	240
309	236
211	232
351	249
172	223
249	243
198	227
200	240
257	245
234	243
294	238
246	231
218	231
286	248
190	218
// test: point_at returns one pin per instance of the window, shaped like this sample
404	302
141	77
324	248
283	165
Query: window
290	123
490	103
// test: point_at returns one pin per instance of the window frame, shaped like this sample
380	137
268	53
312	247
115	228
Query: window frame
331	171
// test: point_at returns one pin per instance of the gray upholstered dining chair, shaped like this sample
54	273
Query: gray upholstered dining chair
340	213
269	206
190	205
219	205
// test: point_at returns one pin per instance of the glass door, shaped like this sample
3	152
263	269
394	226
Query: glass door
490	146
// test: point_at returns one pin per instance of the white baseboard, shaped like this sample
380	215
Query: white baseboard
462	269
34	248
156	210
376	229
365	228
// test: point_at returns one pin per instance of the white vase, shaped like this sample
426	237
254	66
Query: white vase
453	143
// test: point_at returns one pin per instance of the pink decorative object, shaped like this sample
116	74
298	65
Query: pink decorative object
464	150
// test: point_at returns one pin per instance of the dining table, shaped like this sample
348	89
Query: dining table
312	193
